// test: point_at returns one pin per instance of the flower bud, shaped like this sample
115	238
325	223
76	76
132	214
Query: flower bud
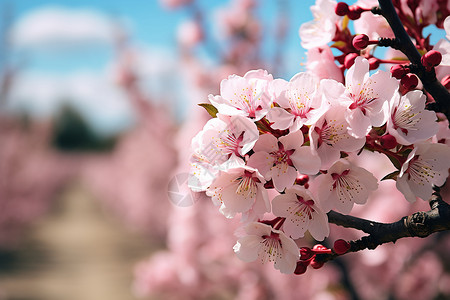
388	141
302	179
306	253
399	71
341	9
431	59
409	81
341	246
354	12
301	267
350	60
360	41
374	63
315	264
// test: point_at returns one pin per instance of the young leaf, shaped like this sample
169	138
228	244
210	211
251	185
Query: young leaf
392	175
212	111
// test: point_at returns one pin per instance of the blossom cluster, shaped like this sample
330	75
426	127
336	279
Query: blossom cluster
277	153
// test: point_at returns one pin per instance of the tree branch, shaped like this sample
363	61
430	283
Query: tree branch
429	80
419	224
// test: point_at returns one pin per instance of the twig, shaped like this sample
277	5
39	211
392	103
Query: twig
419	224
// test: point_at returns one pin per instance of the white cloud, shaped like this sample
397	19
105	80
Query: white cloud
61	27
100	100
95	93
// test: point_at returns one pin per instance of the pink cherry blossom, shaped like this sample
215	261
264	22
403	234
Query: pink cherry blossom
266	244
322	29
240	189
344	185
375	26
302	213
329	136
427	165
280	159
409	121
321	63
299	96
246	96
447	27
224	136
365	97
190	33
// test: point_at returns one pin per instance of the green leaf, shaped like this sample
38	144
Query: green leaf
392	175
394	161
211	109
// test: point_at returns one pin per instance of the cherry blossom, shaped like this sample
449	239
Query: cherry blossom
365	97
240	189
302	213
410	122
280	159
246	96
375	26
321	63
322	29
343	185
329	136
426	165
298	102
266	244
447	27
224	136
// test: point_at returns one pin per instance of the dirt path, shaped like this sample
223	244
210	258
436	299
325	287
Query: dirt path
76	253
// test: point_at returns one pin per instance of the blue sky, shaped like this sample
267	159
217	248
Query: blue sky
48	73
149	23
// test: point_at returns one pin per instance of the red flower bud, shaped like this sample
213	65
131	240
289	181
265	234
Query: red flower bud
301	267
341	246
306	253
388	141
315	264
409	81
302	179
398	71
341	9
360	41
350	60
374	63
431	59
354	12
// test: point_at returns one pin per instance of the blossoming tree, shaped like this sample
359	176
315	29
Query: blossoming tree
284	156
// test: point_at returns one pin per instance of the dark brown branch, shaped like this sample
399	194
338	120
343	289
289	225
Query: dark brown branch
429	80
419	224
352	222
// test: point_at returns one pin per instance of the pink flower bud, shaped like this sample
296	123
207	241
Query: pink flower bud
409	81
398	71
446	82
388	141
374	63
341	9
350	60
431	59
354	12
341	246
360	41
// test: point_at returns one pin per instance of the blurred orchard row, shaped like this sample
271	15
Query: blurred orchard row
133	172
